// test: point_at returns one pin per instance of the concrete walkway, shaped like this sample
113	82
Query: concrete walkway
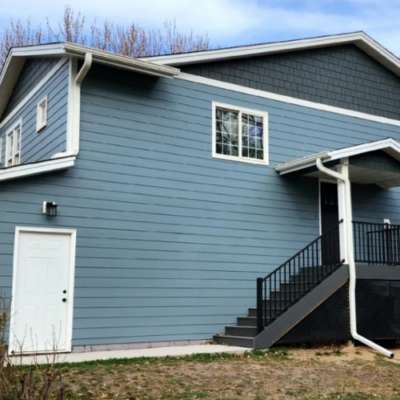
173	351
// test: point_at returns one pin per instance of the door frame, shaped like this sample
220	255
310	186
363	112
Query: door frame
320	180
71	277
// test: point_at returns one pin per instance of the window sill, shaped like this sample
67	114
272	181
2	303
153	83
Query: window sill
240	159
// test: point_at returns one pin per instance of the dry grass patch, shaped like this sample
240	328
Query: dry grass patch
348	374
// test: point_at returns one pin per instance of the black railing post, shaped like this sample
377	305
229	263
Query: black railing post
260	306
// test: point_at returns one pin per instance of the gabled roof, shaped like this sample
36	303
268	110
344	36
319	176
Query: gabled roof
359	39
17	56
386	177
389	146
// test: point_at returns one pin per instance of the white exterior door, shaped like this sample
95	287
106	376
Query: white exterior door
41	314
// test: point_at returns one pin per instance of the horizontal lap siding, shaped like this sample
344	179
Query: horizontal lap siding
52	139
32	73
170	241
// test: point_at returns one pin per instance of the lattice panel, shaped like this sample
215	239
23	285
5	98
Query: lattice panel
329	322
378	309
378	315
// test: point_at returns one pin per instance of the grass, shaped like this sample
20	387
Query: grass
255	375
272	354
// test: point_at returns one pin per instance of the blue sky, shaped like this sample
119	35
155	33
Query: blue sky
232	22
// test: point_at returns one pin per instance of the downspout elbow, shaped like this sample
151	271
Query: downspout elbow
87	63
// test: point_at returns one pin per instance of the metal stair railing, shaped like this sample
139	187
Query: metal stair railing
283	287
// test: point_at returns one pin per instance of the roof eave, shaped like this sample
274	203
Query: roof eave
388	145
360	39
120	61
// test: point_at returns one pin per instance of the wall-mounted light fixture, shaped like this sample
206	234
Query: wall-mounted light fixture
50	208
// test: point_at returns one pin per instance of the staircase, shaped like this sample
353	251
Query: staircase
289	293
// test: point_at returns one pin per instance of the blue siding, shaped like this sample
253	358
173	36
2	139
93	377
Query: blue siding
32	73
52	139
170	241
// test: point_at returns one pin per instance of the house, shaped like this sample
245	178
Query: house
156	201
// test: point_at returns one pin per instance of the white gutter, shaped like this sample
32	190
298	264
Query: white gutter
348	238
120	61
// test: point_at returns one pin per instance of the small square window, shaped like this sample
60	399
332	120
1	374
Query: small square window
41	121
240	134
13	147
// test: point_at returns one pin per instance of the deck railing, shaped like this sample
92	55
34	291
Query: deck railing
376	244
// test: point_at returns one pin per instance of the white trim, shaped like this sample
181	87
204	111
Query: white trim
1	150
53	49
72	233
26	99
120	61
390	146
285	99
239	158
21	171
41	114
360	39
73	121
16	144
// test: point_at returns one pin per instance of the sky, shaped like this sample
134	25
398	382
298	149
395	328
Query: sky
231	22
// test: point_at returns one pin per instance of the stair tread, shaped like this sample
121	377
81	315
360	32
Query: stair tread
240	326
234	337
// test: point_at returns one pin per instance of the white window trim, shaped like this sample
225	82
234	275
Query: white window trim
1	150
41	122
72	233
239	158
9	133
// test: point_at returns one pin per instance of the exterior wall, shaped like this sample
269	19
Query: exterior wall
33	71
378	160
169	240
341	76
373	204
52	139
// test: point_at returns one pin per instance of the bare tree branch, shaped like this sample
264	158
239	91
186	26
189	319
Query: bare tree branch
131	40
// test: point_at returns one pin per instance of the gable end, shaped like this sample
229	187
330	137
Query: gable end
341	76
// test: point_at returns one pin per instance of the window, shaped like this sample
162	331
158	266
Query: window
240	134
41	118
13	148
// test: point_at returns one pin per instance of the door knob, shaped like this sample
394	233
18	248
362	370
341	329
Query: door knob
64	300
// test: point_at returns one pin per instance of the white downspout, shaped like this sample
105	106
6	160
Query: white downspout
349	255
74	129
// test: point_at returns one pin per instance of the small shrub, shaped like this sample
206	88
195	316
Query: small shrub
25	382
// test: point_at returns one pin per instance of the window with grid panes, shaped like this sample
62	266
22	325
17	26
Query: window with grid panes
240	134
13	148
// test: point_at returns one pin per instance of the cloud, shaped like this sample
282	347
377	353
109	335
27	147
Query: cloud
234	22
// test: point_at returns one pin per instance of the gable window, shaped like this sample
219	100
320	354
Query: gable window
41	118
13	148
240	134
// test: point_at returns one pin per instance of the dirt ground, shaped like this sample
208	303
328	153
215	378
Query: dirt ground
325	373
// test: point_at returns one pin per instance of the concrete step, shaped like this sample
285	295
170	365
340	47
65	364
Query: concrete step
247	321
242	331
239	341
